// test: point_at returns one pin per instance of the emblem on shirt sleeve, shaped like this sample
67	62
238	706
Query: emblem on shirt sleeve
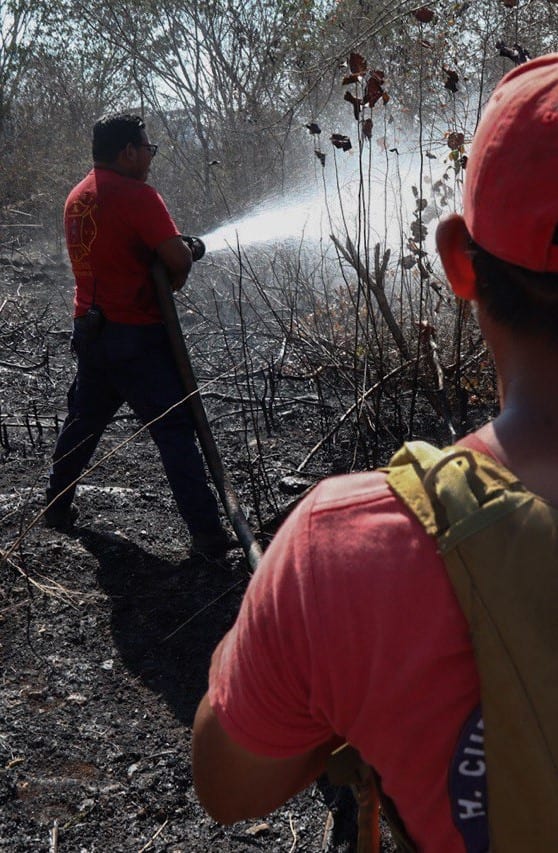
467	785
81	230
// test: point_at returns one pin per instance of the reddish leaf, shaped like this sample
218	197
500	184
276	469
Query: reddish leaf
341	141
517	53
408	262
452	79
455	140
424	14
419	231
350	78
509	4
314	128
357	64
367	128
321	157
374	89
356	102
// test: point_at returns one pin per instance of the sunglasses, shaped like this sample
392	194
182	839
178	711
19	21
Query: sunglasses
150	147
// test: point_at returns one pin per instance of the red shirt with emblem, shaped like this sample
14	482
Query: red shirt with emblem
113	224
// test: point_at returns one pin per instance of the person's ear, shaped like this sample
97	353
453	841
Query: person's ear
453	243
130	152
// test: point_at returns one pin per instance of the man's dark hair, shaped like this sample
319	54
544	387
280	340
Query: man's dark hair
521	299
112	133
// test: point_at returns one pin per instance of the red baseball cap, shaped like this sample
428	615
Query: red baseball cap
510	201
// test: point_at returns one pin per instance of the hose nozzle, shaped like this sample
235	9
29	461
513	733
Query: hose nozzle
196	246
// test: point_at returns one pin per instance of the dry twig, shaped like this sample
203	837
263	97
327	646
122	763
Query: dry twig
53	848
153	837
292	827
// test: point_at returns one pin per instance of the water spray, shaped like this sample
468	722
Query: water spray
272	221
313	214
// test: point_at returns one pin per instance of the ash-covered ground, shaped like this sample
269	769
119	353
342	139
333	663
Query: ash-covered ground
106	632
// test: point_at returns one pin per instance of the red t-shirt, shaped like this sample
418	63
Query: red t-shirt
350	626
112	225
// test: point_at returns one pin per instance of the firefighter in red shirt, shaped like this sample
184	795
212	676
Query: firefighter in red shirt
116	225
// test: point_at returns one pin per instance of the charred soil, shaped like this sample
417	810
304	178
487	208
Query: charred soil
106	631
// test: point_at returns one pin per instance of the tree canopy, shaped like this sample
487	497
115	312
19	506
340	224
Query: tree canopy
231	86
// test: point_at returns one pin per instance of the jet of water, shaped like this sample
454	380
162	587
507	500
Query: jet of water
280	221
308	217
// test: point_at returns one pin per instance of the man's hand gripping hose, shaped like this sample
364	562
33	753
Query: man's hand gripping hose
196	246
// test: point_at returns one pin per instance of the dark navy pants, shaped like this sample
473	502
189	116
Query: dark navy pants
132	364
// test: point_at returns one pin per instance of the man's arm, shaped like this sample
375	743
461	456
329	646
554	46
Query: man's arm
234	784
266	689
177	259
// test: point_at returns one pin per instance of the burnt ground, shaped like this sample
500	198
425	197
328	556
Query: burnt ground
106	632
104	663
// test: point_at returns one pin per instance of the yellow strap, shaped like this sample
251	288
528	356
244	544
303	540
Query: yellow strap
446	488
500	547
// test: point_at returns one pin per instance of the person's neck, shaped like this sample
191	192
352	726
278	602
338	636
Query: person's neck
524	436
112	167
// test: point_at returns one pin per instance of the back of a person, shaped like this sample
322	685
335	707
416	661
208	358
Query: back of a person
117	227
398	626
107	232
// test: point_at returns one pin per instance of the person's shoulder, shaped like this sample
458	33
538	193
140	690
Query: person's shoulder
148	189
347	490
128	187
138	188
86	182
478	441
149	198
345	514
330	507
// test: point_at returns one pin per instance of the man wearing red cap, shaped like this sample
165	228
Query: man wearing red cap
351	629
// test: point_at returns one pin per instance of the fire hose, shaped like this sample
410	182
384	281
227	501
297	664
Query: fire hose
209	448
345	765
